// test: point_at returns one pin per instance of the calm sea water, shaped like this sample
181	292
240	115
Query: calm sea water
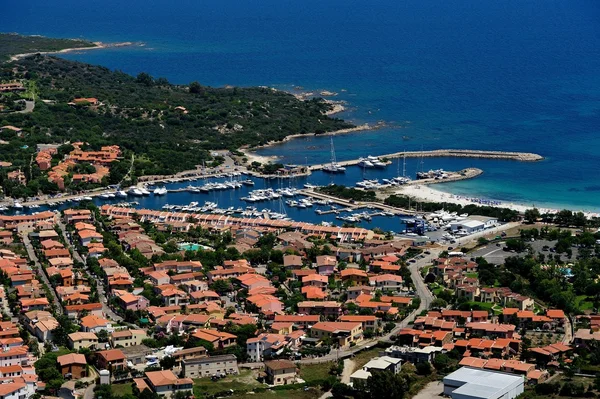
508	75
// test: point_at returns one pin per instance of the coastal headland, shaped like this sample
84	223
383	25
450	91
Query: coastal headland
95	46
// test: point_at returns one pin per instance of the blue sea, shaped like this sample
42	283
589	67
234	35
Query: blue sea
495	75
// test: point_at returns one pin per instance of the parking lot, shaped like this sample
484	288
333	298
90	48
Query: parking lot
495	253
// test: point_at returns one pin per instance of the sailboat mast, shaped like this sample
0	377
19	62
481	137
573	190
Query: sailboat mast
332	153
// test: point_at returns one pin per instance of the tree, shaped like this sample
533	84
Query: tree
167	363
384	385
423	368
532	215
144	79
196	88
438	303
102	336
389	326
441	362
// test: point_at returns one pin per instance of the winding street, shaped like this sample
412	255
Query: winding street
99	284
40	271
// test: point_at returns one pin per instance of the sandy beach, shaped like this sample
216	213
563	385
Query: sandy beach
426	193
98	45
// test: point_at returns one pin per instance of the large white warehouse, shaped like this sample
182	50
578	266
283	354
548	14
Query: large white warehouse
468	383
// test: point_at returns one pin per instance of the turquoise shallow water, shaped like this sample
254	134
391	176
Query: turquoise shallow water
508	75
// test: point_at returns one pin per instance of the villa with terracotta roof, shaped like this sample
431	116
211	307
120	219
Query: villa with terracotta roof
112	360
164	383
354	277
219	339
73	365
368	322
342	333
326	308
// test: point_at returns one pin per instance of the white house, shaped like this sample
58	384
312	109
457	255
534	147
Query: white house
377	364
386	282
14	389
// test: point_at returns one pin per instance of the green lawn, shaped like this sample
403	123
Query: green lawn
244	381
121	389
583	304
472	275
315	372
362	358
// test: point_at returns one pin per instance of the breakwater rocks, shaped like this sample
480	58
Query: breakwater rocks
516	156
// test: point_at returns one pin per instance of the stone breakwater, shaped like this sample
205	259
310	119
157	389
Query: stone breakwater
515	156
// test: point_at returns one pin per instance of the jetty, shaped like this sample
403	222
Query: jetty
515	156
464	174
353	205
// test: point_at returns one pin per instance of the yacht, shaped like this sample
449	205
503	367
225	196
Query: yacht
160	191
333	167
144	191
365	163
121	194
87	198
248	182
135	191
17	205
310	186
104	196
376	162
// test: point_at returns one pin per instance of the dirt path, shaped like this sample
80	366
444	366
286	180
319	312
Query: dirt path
348	370
432	390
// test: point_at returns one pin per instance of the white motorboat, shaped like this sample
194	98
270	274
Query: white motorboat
365	163
135	191
160	191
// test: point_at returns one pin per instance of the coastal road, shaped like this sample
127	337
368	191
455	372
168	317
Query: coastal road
41	272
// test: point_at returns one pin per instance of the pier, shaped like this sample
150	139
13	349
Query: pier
515	156
349	206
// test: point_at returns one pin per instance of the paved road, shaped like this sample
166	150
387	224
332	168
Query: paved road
99	283
29	106
568	337
40	271
89	392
